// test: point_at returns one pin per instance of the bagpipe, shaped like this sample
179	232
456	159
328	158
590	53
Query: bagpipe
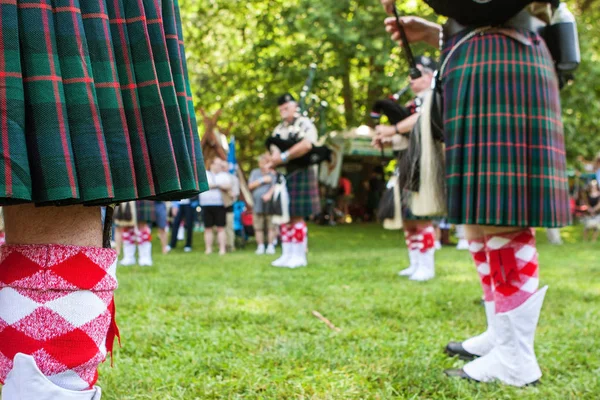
390	108
317	154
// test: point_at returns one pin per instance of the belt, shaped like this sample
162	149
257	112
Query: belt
522	20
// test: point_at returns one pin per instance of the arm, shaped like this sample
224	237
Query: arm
417	30
386	131
269	195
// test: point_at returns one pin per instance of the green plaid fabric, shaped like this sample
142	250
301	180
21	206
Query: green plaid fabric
303	189
96	104
505	154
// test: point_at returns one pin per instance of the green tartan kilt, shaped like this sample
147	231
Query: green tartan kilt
96	103
303	189
145	211
505	152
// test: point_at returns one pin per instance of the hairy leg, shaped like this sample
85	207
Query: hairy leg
71	225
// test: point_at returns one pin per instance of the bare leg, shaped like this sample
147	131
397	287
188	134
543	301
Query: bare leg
260	237
271	234
162	236
118	239
208	240
71	225
474	232
595	236
222	238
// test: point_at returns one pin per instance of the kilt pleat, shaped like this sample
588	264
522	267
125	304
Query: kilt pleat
505	154
303	189
96	104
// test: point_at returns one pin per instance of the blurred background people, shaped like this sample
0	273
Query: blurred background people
261	183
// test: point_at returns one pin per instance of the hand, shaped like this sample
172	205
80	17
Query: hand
417	30
267	179
388	5
274	161
267	197
385	130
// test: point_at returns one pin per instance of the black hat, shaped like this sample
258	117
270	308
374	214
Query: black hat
427	62
286	98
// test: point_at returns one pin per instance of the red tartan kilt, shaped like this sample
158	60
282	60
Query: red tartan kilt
96	103
505	153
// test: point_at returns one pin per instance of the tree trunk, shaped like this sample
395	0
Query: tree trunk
347	94
374	92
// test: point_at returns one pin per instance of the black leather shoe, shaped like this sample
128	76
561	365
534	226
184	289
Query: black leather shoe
458	373
454	349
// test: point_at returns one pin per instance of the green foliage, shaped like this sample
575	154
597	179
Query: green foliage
581	100
243	54
233	327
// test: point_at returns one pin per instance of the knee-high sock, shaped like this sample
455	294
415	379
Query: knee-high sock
480	257
145	235
286	233
56	304
514	268
129	236
423	239
300	231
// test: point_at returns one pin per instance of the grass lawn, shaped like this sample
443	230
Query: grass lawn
233	327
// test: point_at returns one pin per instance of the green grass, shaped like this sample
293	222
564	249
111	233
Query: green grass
210	327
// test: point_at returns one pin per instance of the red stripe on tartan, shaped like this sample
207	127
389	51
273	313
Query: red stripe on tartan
503	114
43	6
4	118
93	106
490	84
174	37
59	110
507	144
154	21
111	59
5	74
136	109
8	2
133	85
509	206
520	175
524	206
187	98
122	21
499	62
498	149
71	9
540	138
475	131
94	15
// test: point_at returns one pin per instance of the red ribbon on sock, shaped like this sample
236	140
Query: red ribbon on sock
503	266
113	331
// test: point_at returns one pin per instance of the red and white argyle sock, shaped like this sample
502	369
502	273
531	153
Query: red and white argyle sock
129	236
299	232
423	239
145	235
514	268
57	305
480	257
286	233
410	239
